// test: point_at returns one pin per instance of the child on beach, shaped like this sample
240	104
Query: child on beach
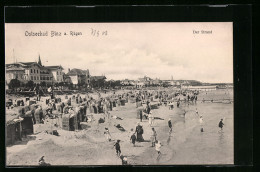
107	134
158	148
124	160
133	139
221	124
118	150
151	118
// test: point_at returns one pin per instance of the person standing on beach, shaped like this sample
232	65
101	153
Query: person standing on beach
221	124
170	125
133	139
139	131
107	134
153	137
201	124
141	115
178	103
158	148
118	150
148	108
150	118
196	111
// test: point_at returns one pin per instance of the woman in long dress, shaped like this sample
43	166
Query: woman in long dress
139	132
153	137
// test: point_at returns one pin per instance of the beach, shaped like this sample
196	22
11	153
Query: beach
185	145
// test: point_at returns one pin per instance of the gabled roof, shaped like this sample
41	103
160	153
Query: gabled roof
14	68
54	67
77	72
12	64
28	64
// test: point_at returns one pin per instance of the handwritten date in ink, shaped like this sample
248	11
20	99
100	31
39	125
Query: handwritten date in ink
98	33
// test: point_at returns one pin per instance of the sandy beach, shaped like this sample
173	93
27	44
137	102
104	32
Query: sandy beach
185	145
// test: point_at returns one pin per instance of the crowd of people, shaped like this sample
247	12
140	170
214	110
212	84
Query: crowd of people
110	102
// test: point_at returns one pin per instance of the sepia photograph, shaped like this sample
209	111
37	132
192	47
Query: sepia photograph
131	93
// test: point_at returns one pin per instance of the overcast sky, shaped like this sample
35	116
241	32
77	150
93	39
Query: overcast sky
130	50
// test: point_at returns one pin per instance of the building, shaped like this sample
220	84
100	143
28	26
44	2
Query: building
127	82
78	76
56	72
27	71
46	76
145	81
13	71
33	71
156	81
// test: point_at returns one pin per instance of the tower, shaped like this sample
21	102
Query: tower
39	61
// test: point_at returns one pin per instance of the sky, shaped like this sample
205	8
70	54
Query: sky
129	50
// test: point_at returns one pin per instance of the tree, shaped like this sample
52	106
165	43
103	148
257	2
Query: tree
61	84
14	83
43	83
30	84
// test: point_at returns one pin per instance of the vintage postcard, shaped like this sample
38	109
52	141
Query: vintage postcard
119	93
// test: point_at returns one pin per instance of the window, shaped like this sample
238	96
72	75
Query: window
37	70
41	78
31	77
37	76
31	71
34	77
